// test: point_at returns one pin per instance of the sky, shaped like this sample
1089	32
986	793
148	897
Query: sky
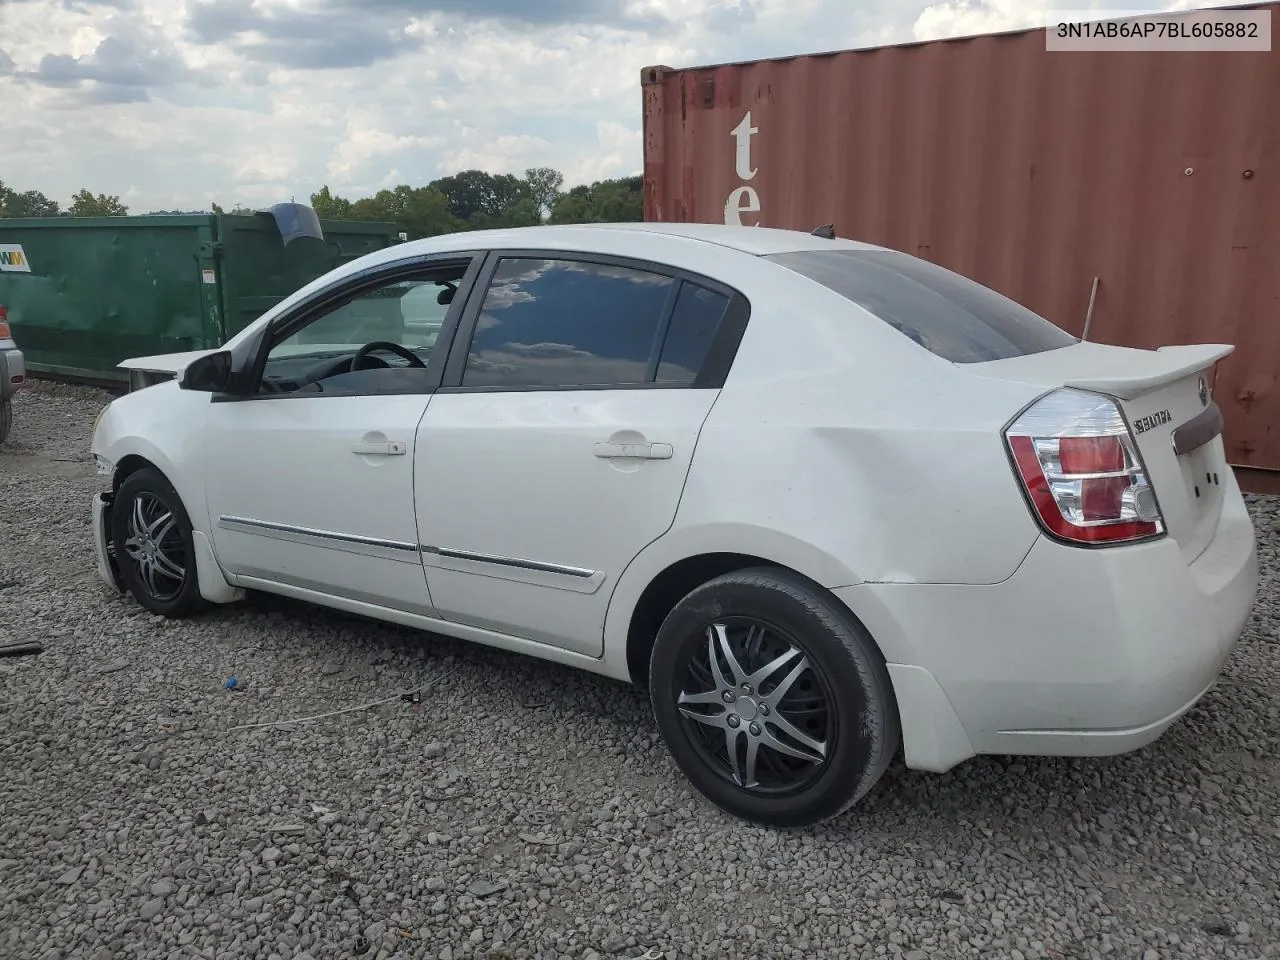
176	104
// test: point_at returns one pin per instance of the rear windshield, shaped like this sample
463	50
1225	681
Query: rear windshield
947	314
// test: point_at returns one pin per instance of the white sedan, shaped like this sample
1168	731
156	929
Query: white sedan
822	500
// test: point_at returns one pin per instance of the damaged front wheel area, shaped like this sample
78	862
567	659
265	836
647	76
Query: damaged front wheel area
152	546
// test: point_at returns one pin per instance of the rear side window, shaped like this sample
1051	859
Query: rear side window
567	323
947	314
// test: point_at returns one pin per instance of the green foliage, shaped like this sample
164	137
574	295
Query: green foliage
31	203
469	200
419	211
544	186
475	194
475	200
85	204
605	201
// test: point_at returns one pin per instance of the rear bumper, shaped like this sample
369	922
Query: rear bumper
1081	652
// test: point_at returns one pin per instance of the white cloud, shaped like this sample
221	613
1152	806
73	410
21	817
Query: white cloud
178	103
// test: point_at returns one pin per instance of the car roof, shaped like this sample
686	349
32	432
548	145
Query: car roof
669	238
760	241
757	241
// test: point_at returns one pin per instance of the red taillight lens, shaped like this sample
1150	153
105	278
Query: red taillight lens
1101	498
1081	471
1090	454
5	334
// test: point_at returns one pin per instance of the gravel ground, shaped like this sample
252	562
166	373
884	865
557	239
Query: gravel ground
523	810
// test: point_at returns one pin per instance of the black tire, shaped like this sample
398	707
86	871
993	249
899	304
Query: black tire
6	418
842	700
154	583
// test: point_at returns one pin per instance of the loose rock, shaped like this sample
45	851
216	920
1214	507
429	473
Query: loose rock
529	810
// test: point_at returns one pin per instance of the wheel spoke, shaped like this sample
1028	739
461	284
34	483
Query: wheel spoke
780	691
710	719
795	733
721	683
710	698
169	526
731	742
722	636
138	520
755	638
148	569
753	750
772	667
154	527
169	567
773	743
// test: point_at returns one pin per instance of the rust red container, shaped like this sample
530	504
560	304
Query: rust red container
1136	192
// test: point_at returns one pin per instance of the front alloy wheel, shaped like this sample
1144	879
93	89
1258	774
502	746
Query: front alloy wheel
772	698
154	548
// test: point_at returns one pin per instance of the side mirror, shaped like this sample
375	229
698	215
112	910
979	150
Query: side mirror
208	374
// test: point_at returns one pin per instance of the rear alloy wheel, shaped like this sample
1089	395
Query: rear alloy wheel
773	700
6	418
153	544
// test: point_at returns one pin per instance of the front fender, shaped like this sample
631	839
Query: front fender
164	426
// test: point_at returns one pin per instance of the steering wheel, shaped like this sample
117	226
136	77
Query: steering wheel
357	361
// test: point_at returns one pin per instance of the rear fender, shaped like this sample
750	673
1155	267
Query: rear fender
682	543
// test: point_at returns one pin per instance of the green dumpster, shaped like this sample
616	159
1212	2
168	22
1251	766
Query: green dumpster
84	293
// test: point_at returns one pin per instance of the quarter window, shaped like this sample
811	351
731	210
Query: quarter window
568	323
694	325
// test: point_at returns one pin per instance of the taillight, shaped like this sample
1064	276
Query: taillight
5	334
1082	471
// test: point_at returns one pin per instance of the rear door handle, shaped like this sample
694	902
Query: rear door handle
385	448
633	451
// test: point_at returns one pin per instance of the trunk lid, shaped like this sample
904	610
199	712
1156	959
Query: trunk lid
1166	397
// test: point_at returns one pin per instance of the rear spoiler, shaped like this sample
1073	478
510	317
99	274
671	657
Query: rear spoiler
1158	368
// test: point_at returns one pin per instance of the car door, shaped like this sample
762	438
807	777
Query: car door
310	482
559	443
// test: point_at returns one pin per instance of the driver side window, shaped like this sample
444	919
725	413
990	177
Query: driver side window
377	341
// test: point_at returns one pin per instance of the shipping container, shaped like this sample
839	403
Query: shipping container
85	293
1133	198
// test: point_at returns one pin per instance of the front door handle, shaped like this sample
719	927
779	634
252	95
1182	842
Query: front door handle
384	448
633	451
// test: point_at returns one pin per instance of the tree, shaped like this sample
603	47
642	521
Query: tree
239	210
419	211
330	207
605	201
85	204
544	186
473	193
31	203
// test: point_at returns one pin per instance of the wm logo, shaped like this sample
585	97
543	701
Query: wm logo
13	259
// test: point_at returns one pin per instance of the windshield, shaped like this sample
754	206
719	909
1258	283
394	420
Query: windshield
947	314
